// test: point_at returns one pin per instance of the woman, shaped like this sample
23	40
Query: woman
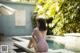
38	36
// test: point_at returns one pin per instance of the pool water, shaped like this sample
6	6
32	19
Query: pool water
53	45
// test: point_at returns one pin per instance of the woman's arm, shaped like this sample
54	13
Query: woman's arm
33	40
30	45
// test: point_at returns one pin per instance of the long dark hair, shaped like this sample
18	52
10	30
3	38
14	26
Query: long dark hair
42	24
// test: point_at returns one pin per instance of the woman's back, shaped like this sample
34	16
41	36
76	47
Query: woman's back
39	37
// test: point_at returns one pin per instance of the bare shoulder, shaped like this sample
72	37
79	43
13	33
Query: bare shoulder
35	29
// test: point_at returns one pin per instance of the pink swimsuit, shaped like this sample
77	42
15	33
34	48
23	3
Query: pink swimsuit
42	45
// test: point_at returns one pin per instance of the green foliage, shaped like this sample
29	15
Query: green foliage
65	14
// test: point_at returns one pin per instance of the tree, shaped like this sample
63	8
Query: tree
65	14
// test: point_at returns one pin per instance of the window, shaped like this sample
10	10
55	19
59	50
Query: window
24	1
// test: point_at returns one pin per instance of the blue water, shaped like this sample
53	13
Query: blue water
53	45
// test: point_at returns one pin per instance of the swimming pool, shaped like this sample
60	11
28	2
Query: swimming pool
51	43
54	45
